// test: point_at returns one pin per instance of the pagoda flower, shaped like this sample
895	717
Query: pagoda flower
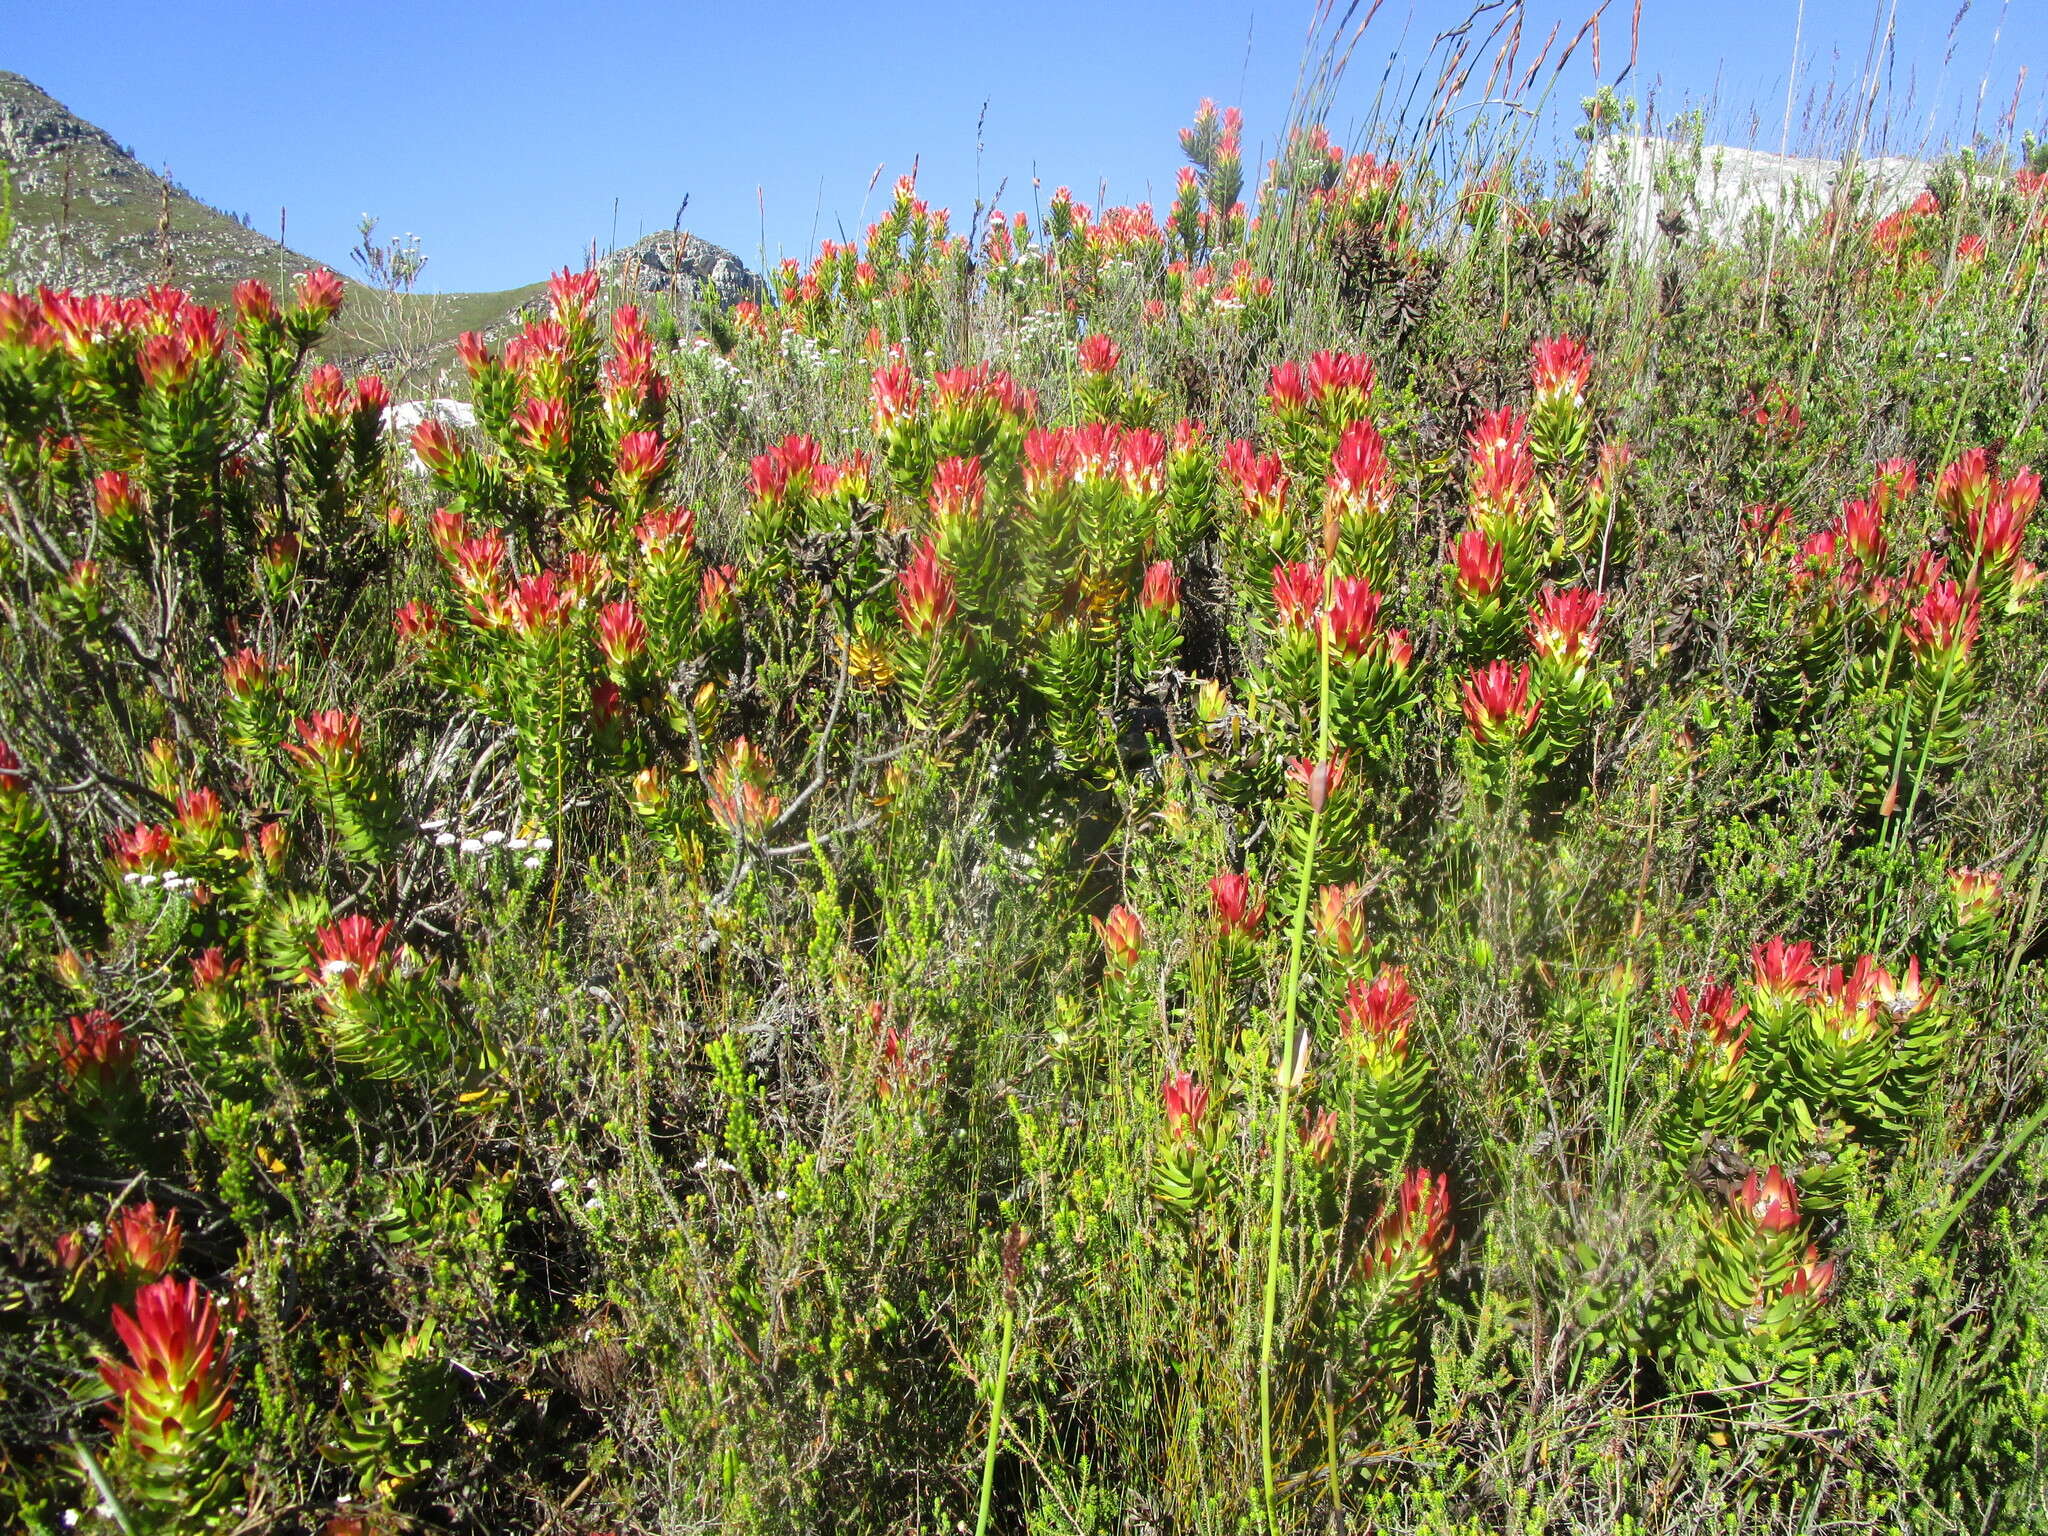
278	561
77	598
1560	423
641	461
543	433
1358	524
1051	468
717	604
1499	708
1154	631
1894	482
199	834
1100	394
121	504
1338	920
343	784
1286	393
622	640
422	628
141	1244
1262	482
924	595
572	296
1714	1012
979	412
28	850
538	609
139	855
171	1397
1238	916
1380	1082
1141	466
896	399
255	700
1184	1176
1340	387
213	1013
1751	1252
1975	913
1318	1133
739	800
780	481
1782	978
452	464
256	311
1965	484
1190	482
378	1005
1715	1088
1122	934
96	1054
1369	669
316	300
1564	632
1382	1303
1488	614
1942	628
1861	530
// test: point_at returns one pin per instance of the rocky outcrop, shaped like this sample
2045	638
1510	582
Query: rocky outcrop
1660	186
680	264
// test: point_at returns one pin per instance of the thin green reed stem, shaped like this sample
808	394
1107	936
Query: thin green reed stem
1283	1100
1912	802
995	1419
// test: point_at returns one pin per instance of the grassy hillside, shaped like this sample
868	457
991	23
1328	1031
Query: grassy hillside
1333	858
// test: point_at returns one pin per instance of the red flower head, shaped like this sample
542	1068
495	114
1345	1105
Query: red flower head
621	633
538	607
1862	529
1143	455
1319	1136
475	353
924	594
958	489
1123	937
893	396
142	1243
1975	895
317	295
1502	463
1261	481
1771	1203
1782	972
373	396
1316	780
1382	1010
542	427
1413	1233
1161	591
670	529
1945	622
175	1390
1353	619
253	304
1340	922
327	736
1099	355
420	624
117	497
479	565
1480	564
739	799
435	445
1237	915
1716	1011
13	779
95	1050
570	294
1186	1103
1566	626
715	593
1286	394
197	813
1297	595
1896	481
1498	707
1358	469
1049	461
1965	485
349	955
1558	365
1341	383
1812	1279
642	458
140	849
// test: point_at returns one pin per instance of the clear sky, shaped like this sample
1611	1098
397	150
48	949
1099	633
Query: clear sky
510	135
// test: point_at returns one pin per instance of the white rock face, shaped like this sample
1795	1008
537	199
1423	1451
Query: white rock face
401	418
1717	188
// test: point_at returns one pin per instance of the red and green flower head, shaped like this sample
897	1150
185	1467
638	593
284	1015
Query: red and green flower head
1499	708
1185	1103
1966	484
1340	387
139	850
1976	896
1377	1015
316	300
329	738
1260	479
1123	938
172	1393
1502	465
1413	1234
120	503
1715	1012
1477	567
349	958
538	609
1099	354
1770	1203
1943	627
1339	919
255	309
924	594
1559	370
1238	916
1564	628
1861	529
1160	592
641	462
1359	482
96	1054
740	801
1297	596
622	639
1895	481
422	626
716	604
142	1243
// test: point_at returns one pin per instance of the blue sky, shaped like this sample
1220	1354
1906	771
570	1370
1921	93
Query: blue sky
509	136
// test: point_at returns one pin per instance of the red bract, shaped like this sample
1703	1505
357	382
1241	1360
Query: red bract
1099	354
642	457
1566	625
1237	915
1123	937
253	304
1286	394
349	955
1297	595
13	779
1497	704
175	1390
1143	463
893	396
328	735
538	607
140	849
1715	1011
1382	1009
542	427
142	1243
924	594
420	624
318	295
714	593
1261	480
1186	1103
95	1050
1771	1203
1558	365
1161	591
1896	480
1862	529
1341	376
435	445
117	497
957	488
621	632
1481	565
739	799
1049	460
1340	921
672	528
1353	619
197	812
1965	484
1358	468
1782	971
570	294
475	353
1414	1232
1944	623
1502	461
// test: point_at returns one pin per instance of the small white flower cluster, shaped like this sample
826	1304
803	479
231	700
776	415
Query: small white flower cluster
170	879
535	848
